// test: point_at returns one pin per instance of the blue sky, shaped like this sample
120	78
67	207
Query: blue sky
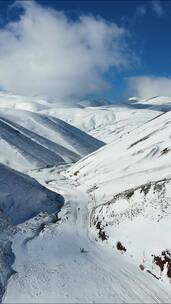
147	22
150	30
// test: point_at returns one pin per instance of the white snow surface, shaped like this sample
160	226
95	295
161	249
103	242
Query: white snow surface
137	158
107	123
22	197
62	263
29	139
11	101
54	216
139	162
161	103
99	118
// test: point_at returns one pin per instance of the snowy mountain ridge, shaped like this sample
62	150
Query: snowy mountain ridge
100	225
129	181
35	140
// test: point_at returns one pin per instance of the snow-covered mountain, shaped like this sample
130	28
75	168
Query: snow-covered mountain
53	258
21	198
100	226
160	103
97	102
11	101
30	140
145	149
129	181
105	123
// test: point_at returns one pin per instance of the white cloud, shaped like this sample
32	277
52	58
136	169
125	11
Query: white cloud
157	8
45	53
146	87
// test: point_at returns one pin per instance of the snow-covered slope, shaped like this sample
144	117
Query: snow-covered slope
22	197
11	101
126	161
29	140
94	102
157	101
54	262
55	130
140	163
105	123
20	151
115	200
160	103
99	118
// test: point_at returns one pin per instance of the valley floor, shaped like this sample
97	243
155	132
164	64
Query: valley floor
57	258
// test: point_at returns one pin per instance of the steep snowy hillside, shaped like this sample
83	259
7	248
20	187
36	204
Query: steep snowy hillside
21	198
125	162
129	181
99	118
29	140
160	103
105	123
55	130
21	151
66	231
52	263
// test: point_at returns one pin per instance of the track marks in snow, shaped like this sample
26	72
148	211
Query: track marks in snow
52	268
